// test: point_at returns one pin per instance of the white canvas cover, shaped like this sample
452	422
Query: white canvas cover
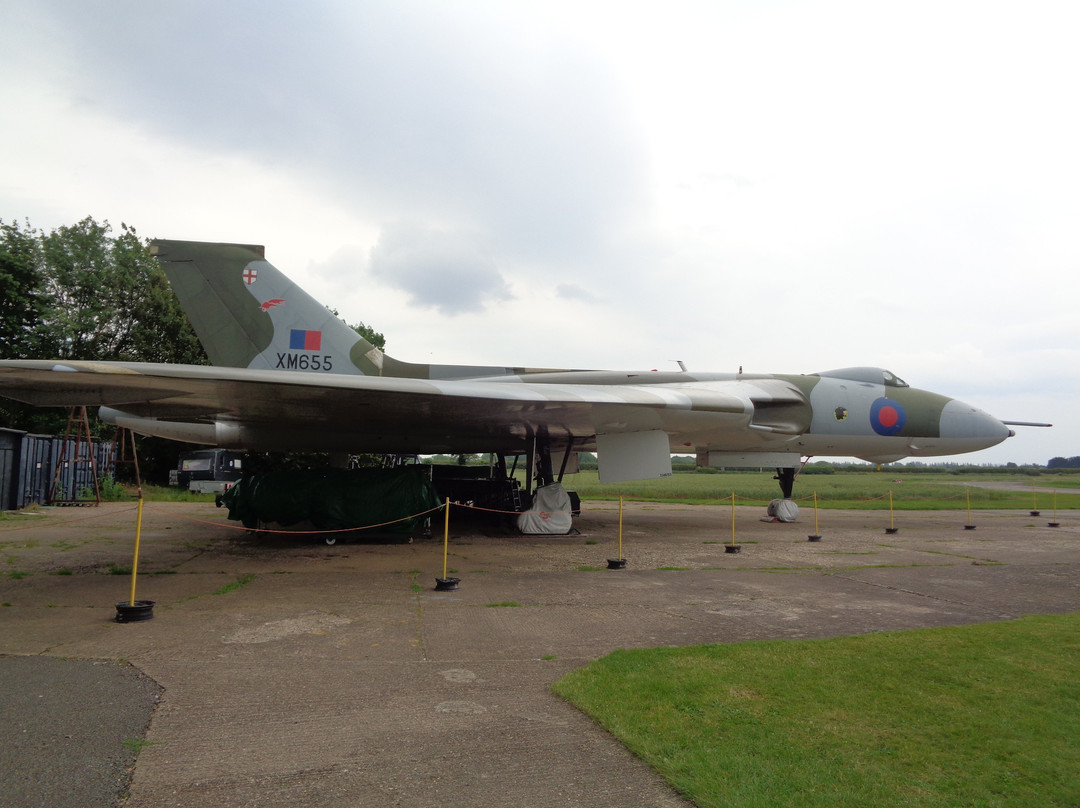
784	510
550	512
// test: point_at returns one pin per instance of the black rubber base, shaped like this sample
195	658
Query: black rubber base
127	612
814	537
616	563
892	530
732	548
446	584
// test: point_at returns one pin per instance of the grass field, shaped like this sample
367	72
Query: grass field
843	490
847	490
160	493
985	715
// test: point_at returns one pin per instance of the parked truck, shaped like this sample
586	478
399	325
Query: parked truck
208	470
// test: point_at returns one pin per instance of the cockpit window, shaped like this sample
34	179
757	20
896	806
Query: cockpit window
867	375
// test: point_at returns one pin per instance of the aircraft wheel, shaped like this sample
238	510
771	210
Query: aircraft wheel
331	540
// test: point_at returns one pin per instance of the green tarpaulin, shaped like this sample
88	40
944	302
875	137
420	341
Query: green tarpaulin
335	499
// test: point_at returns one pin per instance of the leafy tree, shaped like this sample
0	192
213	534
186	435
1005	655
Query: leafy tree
80	293
370	334
22	298
111	300
1063	463
364	330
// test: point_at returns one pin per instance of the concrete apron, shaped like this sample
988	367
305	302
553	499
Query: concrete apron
337	676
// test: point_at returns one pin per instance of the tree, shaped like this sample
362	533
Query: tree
370	334
22	297
80	293
111	300
1064	463
364	330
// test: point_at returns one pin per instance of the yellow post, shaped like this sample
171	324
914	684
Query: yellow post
816	535
892	523
135	561
732	518
620	528
968	492
1034	499
446	537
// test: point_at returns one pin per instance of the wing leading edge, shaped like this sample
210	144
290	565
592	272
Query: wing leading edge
268	409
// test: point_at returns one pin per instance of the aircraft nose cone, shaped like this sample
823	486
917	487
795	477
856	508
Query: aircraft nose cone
960	420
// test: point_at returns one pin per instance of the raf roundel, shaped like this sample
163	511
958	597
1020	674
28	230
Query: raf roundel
887	416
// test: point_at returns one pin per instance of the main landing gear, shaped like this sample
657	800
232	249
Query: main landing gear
786	476
783	510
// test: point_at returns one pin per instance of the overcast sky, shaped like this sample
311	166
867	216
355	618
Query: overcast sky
786	186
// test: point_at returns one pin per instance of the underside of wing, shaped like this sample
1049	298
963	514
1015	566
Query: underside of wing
258	409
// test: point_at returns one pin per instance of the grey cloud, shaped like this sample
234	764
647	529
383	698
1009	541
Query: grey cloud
450	271
571	291
452	113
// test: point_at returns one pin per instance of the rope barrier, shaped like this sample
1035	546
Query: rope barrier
300	532
67	521
752	501
542	514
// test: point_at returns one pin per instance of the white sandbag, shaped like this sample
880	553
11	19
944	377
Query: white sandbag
783	510
550	512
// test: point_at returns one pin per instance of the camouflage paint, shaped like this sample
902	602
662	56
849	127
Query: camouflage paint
208	281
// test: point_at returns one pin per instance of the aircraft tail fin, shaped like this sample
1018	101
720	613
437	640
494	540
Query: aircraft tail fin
248	314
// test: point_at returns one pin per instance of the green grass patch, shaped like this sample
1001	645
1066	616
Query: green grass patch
170	493
243	580
18	574
843	490
985	715
848	552
136	745
119	569
31	513
504	604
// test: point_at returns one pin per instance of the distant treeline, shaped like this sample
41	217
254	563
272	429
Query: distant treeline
1064	463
